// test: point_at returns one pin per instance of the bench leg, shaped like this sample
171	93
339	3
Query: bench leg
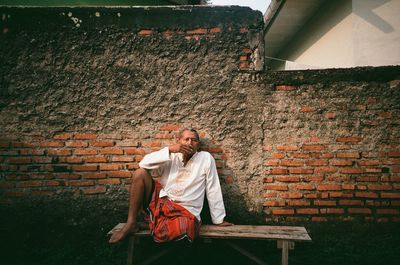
285	245
285	252
131	248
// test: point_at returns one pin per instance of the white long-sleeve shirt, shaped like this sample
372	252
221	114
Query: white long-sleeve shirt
187	185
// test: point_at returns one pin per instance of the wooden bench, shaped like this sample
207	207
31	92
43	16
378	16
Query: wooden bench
284	235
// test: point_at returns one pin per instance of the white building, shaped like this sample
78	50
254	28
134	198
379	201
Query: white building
314	34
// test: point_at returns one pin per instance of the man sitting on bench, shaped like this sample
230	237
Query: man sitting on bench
173	206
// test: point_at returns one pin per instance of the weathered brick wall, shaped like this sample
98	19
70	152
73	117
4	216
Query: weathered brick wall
84	97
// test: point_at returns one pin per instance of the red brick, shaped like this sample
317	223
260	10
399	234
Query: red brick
275	187
379	187
359	211
350	202
368	162
19	160
271	203
59	152
303	186
132	166
229	180
298	203
272	163
301	170
338	178
270	194
109	167
366	195
114	181
324	203
101	143
283	211
306	109
63	136
122	159
52	183
312	178
328	187
278	171
313	147
197	31
348	155
52	144
95	159
170	127
79	152
310	196
168	34
152	144
268	179
330	115
145	32
119	174
76	144
287	148
30	183
74	160
135	151
334	211
393	154
307	211
67	176
317	163
215	30
367	178
351	170
244	65
111	151
80	183
94	175
291	195
292	163
278	155
388	211
285	88
247	50
95	190
287	178
84	167
299	155
84	136
341	163
390	195
243	58
348	186
243	30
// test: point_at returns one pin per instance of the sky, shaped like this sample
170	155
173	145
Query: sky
260	5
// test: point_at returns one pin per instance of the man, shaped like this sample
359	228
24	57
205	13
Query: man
173	206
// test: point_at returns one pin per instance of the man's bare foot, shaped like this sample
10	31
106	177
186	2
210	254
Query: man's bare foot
121	234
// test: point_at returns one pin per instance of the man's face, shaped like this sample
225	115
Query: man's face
190	138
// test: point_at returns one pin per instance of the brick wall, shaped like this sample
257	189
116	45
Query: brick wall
81	163
81	104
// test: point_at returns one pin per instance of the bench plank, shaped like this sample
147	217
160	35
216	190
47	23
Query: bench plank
294	233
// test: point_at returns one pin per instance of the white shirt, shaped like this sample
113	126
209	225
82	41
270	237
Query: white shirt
187	185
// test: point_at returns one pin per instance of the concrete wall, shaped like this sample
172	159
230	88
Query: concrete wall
86	92
347	34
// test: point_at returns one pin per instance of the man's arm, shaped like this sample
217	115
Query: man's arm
214	195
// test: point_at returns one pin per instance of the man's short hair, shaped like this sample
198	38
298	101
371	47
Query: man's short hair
179	134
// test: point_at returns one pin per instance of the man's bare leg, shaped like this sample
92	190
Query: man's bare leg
140	190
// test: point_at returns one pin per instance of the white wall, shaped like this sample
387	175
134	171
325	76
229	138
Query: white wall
348	33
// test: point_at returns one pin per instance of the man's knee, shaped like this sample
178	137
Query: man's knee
141	174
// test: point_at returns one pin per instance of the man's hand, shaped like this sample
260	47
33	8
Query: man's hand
225	223
181	148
